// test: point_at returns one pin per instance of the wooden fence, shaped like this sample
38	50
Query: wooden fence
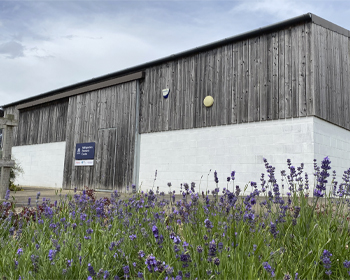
6	163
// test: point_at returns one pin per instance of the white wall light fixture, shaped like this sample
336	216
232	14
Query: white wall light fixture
165	92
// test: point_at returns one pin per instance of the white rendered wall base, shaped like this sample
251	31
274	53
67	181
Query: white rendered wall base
334	142
188	155
42	164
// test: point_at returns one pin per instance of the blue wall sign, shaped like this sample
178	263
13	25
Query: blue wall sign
85	151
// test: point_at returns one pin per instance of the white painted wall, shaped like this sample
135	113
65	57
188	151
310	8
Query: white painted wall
188	155
334	142
42	164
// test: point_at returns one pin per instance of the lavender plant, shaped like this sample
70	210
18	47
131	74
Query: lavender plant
222	235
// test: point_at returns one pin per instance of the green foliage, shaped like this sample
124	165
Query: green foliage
259	236
296	248
15	171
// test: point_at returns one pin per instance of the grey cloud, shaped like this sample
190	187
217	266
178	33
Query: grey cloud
12	49
70	37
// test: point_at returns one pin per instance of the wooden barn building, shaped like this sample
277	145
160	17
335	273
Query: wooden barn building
279	92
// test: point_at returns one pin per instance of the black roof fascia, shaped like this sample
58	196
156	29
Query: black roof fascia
267	29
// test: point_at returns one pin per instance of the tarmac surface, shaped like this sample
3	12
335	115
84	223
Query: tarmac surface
21	197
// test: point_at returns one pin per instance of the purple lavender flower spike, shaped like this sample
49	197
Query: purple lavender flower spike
233	175
19	251
91	270
212	248
208	224
7	195
325	258
52	254
216	261
141	254
216	179
126	270
346	264
269	269
155	231
322	178
105	274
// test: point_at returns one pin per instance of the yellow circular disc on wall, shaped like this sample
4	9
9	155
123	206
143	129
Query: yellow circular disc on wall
208	101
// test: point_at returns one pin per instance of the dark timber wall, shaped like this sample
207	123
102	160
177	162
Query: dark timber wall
45	123
107	117
332	81
257	79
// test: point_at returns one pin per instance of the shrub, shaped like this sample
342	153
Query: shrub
147	235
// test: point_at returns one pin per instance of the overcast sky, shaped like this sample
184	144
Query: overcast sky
45	45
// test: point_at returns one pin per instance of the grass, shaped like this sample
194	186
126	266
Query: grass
148	235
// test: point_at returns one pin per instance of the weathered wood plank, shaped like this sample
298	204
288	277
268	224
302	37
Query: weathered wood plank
10	121
179	101
310	56
288	74
186	114
198	105
331	87
240	71
302	105
69	152
323	72
338	112
234	88
172	97
263	77
219	93
317	69
253	92
275	76
295	71
245	77
201	70
269	73
209	80
227	68
144	96
281	74
192	88
346	80
164	84
5	161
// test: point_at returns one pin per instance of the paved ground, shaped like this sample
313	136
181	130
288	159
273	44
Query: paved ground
21	197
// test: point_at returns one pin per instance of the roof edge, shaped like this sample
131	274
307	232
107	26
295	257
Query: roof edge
330	25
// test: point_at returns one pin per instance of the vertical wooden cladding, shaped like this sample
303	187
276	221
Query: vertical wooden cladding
331	72
42	124
106	117
260	78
